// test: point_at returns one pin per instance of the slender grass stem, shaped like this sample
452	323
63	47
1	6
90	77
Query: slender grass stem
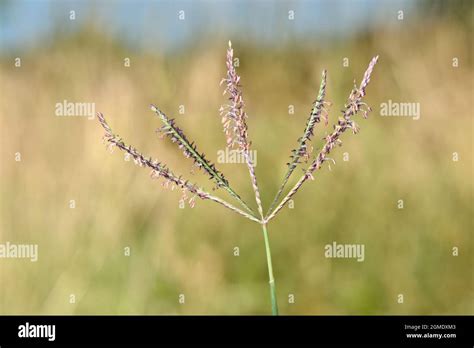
231	207
270	271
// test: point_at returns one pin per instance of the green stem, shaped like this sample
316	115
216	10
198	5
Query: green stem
270	271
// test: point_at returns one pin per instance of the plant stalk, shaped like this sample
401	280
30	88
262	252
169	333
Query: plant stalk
270	271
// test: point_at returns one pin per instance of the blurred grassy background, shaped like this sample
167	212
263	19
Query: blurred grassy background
190	251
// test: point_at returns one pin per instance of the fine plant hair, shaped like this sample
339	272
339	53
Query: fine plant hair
234	122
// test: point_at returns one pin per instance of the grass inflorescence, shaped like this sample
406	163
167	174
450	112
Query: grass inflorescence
235	129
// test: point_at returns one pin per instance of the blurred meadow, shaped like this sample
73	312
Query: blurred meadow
190	251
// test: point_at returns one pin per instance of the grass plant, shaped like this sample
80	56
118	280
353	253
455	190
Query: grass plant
234	121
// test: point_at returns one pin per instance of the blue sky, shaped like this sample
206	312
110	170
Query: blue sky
156	25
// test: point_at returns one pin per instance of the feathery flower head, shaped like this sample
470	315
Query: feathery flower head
233	115
353	106
157	168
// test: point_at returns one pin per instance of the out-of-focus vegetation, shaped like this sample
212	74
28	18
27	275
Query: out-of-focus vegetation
191	251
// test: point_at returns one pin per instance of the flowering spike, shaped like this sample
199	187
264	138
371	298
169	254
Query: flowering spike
352	107
160	170
302	152
190	151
